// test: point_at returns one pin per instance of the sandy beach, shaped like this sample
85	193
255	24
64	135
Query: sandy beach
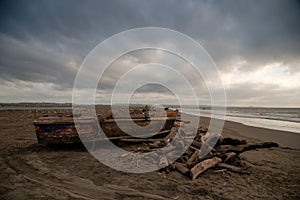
32	171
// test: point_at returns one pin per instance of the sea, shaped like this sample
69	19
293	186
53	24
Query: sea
285	119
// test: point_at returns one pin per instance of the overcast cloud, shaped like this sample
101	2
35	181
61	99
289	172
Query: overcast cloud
255	44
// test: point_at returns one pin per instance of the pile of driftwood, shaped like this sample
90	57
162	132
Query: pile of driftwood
224	155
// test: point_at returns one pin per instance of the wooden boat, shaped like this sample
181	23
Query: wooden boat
63	130
112	130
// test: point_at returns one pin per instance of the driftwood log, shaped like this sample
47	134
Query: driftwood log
230	167
245	147
203	166
181	168
225	154
193	157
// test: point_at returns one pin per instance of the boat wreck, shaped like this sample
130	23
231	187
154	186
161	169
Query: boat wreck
63	129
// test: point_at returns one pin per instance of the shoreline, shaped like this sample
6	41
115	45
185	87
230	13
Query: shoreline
252	133
261	122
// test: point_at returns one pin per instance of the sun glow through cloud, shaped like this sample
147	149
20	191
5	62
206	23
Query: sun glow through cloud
275	73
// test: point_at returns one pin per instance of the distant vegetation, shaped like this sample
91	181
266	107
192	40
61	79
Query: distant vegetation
42	104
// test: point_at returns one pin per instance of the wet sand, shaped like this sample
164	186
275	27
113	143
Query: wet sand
32	171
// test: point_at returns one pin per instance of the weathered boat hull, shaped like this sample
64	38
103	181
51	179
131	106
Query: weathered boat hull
158	126
62	130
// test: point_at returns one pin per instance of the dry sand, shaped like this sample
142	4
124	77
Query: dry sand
32	171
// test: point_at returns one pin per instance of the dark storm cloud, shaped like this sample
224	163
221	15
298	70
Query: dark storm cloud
45	41
258	31
37	63
40	38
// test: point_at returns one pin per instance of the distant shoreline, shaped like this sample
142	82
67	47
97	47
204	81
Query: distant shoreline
203	107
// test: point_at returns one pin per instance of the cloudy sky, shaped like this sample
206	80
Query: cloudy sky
255	45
